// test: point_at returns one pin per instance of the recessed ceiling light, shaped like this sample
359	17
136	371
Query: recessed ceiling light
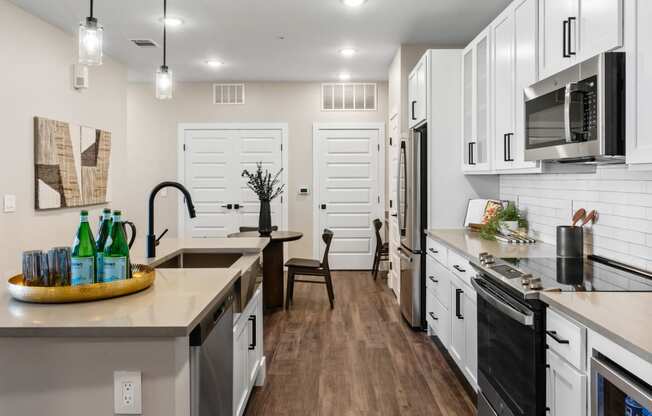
172	21
214	63
353	3
344	76
348	52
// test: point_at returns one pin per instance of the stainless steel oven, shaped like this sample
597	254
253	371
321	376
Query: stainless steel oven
616	392
579	113
511	352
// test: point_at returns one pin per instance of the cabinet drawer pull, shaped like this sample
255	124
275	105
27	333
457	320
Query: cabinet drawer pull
459	269
432	278
570	35
458	312
254	343
432	315
433	251
553	335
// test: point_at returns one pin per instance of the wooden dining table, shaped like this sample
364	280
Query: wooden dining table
273	275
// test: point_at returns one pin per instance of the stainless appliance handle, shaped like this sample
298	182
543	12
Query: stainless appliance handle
404	255
621	380
401	215
526	319
567	112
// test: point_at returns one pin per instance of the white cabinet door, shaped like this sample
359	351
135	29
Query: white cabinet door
476	141
255	334
503	97
567	395
240	368
600	26
639	81
457	347
555	50
471	337
417	93
525	74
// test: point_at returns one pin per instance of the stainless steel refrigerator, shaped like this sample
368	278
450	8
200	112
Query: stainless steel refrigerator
412	209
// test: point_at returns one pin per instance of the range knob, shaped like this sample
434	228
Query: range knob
526	278
535	284
486	258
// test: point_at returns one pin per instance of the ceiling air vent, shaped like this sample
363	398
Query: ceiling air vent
348	96
228	93
144	43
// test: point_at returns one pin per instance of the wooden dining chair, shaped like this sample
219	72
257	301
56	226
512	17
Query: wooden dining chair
382	249
245	229
310	267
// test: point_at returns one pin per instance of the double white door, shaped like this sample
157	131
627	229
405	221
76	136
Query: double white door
213	163
348	194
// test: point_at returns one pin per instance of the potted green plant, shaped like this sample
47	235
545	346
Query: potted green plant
266	187
507	218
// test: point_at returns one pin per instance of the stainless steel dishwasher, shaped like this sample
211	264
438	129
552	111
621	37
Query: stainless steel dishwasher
211	363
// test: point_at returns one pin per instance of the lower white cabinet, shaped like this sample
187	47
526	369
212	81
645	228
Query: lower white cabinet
457	347
567	387
248	358
471	338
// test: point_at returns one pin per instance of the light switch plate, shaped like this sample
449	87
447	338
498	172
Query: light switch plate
10	203
127	393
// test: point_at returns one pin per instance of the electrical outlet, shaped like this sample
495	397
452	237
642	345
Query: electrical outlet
10	203
127	397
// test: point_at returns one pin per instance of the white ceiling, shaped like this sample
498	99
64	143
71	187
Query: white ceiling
244	34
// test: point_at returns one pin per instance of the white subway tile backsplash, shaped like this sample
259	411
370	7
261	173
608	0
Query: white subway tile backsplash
623	199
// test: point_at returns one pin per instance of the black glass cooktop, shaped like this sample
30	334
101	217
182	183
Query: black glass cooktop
579	274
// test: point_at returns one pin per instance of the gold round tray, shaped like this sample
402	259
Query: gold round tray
143	277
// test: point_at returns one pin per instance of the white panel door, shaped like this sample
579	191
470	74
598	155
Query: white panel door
255	146
567	386
349	194
601	26
210	172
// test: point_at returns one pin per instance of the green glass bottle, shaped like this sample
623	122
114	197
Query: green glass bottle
102	235
83	258
116	251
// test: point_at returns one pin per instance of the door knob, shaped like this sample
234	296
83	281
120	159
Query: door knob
236	206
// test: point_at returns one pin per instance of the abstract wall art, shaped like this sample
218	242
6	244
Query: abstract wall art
72	164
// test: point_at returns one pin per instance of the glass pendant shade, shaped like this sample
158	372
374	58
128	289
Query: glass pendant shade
164	83
90	42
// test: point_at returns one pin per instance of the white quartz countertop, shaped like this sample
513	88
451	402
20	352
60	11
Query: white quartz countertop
623	317
469	244
171	307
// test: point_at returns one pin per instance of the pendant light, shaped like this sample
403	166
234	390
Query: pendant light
164	74
90	41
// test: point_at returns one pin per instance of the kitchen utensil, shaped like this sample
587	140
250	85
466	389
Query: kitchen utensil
579	215
570	241
592	217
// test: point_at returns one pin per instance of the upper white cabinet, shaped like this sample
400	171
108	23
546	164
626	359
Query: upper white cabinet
418	93
475	106
639	81
514	67
574	30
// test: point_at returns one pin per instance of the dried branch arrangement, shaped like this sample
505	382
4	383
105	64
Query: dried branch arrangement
264	184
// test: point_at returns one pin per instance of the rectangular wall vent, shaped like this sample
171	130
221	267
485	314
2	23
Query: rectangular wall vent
144	43
228	93
348	96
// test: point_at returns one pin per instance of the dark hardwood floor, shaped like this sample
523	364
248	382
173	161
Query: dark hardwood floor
357	359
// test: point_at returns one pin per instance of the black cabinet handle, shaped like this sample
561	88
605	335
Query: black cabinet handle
508	147
236	206
471	155
553	335
458	312
459	269
432	278
323	206
252	319
432	250
570	31
228	206
413	104
565	39
505	147
432	315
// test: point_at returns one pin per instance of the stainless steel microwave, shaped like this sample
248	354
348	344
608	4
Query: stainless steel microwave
578	115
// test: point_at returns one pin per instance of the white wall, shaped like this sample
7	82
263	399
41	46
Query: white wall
152	139
36	81
623	199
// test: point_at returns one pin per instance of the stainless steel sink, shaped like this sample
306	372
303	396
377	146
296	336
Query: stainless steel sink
201	261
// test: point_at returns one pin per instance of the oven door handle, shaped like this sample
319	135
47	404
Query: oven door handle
568	95
526	319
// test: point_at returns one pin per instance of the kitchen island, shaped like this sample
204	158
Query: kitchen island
61	358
